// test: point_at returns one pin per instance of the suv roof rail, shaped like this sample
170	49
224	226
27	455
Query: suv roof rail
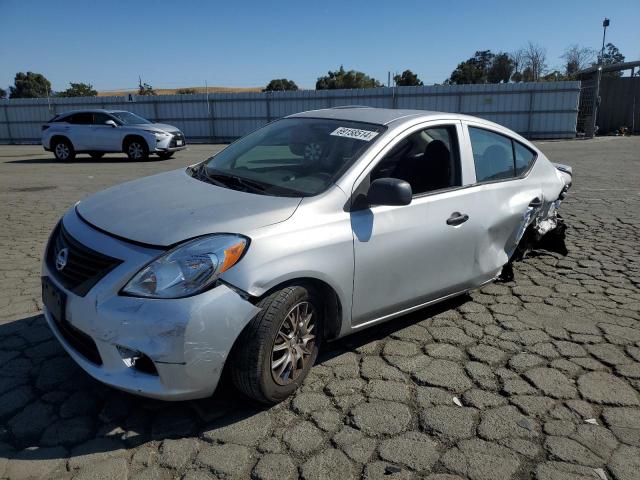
350	106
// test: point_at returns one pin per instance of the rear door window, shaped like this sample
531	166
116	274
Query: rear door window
84	118
492	155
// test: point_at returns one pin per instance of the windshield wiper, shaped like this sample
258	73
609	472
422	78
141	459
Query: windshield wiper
199	172
246	183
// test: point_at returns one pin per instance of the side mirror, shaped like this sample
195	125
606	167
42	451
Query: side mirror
389	191
112	123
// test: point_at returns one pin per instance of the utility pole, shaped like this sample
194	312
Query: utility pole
605	24
596	98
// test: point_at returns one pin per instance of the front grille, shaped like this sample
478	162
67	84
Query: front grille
84	266
80	341
177	136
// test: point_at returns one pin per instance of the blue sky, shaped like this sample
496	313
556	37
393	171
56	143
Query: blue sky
247	43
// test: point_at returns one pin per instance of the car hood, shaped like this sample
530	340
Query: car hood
155	127
170	207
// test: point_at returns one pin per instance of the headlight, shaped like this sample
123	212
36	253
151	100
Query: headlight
161	135
188	269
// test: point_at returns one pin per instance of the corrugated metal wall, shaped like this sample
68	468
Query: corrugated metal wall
619	104
535	110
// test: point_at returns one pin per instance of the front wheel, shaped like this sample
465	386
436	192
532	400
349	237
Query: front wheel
279	346
137	150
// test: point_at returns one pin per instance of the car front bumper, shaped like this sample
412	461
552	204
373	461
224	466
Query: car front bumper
171	143
188	339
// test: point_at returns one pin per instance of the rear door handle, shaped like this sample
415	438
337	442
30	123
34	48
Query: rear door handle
457	218
535	203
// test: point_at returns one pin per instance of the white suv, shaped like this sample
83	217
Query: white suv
97	132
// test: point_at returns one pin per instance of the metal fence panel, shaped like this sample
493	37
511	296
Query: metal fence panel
535	110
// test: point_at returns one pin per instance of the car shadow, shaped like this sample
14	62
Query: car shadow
104	160
47	401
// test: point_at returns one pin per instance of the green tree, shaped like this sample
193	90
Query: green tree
407	79
78	90
501	68
3	93
346	79
280	84
473	70
186	91
30	85
612	55
146	89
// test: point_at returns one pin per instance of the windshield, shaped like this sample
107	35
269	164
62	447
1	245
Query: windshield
128	118
291	157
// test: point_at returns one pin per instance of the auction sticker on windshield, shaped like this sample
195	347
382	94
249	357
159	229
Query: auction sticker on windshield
356	133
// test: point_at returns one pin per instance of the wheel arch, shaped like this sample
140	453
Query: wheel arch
332	313
61	137
133	136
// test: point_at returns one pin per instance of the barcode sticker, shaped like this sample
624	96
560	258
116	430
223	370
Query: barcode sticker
355	133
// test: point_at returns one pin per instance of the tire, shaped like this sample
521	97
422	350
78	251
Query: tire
262	345
165	155
97	155
137	149
63	149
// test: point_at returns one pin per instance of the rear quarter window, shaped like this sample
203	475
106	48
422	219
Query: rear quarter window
524	158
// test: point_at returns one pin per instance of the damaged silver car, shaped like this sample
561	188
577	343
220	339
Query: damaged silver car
309	229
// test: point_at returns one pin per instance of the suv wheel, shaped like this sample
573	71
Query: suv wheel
63	150
137	149
279	346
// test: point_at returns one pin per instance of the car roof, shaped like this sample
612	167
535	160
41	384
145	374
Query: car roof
380	116
90	110
395	117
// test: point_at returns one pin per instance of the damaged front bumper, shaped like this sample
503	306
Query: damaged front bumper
170	349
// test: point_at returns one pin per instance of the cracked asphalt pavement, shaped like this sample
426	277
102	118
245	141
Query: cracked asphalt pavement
535	378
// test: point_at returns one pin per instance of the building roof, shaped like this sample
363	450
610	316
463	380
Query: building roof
614	67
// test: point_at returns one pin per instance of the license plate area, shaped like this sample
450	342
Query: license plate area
179	143
54	299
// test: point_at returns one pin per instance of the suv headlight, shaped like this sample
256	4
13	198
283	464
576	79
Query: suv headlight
161	135
189	268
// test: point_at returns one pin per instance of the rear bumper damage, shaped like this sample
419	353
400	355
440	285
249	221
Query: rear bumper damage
543	228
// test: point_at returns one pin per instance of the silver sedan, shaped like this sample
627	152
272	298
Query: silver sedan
311	228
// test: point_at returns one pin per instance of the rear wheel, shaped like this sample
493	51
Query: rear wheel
279	346
165	155
63	149
136	149
96	155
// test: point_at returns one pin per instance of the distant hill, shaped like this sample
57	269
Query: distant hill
172	91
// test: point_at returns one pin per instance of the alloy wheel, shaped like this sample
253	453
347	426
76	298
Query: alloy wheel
62	151
294	343
135	150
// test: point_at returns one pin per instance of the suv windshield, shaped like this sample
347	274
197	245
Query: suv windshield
128	118
291	157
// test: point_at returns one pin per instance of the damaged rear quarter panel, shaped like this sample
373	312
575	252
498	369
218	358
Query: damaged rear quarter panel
505	212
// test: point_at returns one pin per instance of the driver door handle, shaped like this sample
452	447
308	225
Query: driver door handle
457	218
